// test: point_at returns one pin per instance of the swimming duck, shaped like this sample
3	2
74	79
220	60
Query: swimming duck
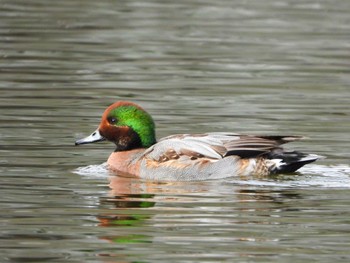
188	157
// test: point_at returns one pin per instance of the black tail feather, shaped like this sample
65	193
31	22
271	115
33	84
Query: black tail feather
291	161
292	167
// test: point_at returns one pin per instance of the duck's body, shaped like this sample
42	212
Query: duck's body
189	157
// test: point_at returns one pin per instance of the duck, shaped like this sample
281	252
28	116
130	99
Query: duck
189	157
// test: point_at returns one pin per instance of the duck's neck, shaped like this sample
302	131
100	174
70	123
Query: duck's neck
133	141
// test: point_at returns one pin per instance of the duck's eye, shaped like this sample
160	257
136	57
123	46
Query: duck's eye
112	120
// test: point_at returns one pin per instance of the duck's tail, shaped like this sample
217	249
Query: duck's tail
289	162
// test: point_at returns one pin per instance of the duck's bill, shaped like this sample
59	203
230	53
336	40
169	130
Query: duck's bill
94	137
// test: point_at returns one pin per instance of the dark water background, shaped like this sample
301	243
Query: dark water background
262	67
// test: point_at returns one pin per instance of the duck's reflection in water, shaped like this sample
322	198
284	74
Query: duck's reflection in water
215	210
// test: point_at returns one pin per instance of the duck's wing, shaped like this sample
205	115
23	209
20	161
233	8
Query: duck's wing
215	146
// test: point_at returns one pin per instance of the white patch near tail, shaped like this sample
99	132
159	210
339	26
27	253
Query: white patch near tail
275	164
281	165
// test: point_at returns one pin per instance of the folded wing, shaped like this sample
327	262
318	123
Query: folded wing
216	146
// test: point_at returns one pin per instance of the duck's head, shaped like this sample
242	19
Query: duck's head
127	125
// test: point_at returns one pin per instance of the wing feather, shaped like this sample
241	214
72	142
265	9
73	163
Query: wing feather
216	145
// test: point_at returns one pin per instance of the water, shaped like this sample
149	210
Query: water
271	67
